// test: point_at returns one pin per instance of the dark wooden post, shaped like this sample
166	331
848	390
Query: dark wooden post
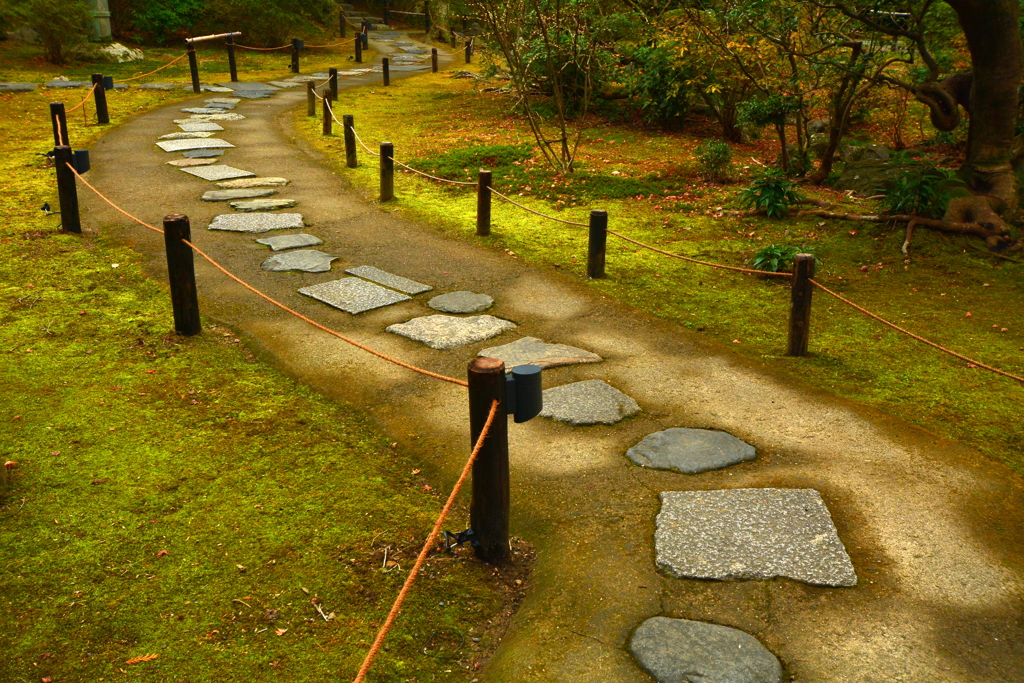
359	49
193	67
59	121
327	113
364	35
232	64
800	305
310	98
451	38
433	59
469	52
387	171
344	29
426	19
182	273
483	203
295	55
348	124
332	80
102	113
387	14
386	66
67	190
597	243
489	507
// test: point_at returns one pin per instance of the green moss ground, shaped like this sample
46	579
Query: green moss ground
430	117
177	497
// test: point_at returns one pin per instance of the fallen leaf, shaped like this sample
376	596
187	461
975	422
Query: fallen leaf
280	632
141	658
162	553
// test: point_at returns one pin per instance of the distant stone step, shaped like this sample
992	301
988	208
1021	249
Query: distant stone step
263	204
229	195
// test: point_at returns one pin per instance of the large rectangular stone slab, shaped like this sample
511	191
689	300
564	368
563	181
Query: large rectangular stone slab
229	195
743	534
257	222
182	145
218	172
353	295
263	204
200	127
385	278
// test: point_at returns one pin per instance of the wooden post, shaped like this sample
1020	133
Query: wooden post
483	203
182	273
310	98
102	113
387	171
332	80
327	113
387	14
469	52
366	35
343	24
67	190
348	124
426	19
433	59
597	243
800	305
359	49
59	121
489	507
451	37
193	67
386	66
232	64
295	55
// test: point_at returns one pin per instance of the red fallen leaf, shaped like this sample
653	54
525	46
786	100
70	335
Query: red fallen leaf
968	315
10	465
81	313
151	372
863	269
54	452
428	487
47	679
162	553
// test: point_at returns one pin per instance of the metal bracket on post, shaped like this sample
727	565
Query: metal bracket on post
524	393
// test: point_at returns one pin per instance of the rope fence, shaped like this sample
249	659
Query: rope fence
170	63
84	99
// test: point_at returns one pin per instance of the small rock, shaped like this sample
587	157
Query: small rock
461	302
532	351
283	242
684	651
589	402
447	332
690	451
228	195
305	260
252	182
263	204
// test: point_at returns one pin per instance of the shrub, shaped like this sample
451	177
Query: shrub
660	80
154	21
267	22
775	258
715	160
771	192
923	194
62	25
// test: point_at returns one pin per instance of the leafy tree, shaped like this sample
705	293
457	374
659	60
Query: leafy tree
62	25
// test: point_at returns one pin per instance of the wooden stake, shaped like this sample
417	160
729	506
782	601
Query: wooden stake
800	305
102	113
433	59
67	190
193	67
597	243
386	67
483	203
310	98
232	65
387	171
327	113
489	507
182	274
59	121
348	124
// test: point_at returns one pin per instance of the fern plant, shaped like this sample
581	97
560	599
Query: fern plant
777	258
771	192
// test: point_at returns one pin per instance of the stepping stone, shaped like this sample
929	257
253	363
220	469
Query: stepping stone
532	351
263	204
589	402
255	94
244	86
353	295
305	260
282	242
203	153
408	67
223	106
744	534
182	163
388	280
461	302
158	86
200	127
218	172
284	84
17	87
447	332
182	145
223	100
67	84
253	182
226	116
681	651
257	222
201	110
209	88
185	136
229	195
690	451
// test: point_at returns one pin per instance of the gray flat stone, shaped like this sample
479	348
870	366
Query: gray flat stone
187	135
409	67
203	153
158	86
17	87
255	94
447	332
208	88
243	86
67	84
226	116
229	195
223	106
263	204
182	163
182	145
461	302
202	110
284	84
222	100
684	651
353	295
533	351
218	172
283	242
252	182
744	534
690	451
588	402
385	278
257	222
305	260
200	127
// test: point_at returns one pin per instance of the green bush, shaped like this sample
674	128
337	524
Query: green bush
775	258
154	22
715	160
771	192
62	25
267	22
922	194
659	80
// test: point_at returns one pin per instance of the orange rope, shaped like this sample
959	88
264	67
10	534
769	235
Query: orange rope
331	45
697	261
135	78
261	49
267	298
427	547
86	99
914	336
526	208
